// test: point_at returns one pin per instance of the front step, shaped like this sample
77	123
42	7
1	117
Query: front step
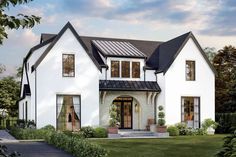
132	133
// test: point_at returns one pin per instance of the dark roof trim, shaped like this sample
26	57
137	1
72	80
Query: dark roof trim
67	26
199	48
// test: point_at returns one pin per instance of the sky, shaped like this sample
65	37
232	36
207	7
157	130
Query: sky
213	22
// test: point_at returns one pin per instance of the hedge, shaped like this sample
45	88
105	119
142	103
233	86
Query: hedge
226	121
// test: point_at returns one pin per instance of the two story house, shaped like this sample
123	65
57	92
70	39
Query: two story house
70	81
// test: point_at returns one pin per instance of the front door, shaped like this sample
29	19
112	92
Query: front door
124	112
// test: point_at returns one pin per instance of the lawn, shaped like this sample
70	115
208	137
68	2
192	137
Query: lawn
181	146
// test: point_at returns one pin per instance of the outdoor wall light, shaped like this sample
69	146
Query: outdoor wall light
136	107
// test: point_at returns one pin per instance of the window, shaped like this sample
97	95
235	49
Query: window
135	70
68	65
115	69
125	69
190	70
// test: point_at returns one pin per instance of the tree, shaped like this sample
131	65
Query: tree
210	52
225	65
14	22
19	72
2	68
9	94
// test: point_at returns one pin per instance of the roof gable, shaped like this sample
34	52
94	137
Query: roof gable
57	37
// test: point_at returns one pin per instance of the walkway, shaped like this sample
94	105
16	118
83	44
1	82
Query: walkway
5	137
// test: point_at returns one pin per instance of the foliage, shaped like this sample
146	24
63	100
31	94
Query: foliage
182	127
9	94
14	22
161	116
28	133
210	52
173	131
19	71
229	146
4	152
225	65
21	123
226	122
2	68
87	131
184	130
209	123
114	119
100	132
76	146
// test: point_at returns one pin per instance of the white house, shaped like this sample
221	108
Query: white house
70	81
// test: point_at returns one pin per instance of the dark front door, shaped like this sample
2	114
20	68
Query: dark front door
124	112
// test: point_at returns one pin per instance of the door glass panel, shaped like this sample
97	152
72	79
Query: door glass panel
127	114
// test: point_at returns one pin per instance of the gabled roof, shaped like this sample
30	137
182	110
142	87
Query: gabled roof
166	53
57	37
117	49
117	85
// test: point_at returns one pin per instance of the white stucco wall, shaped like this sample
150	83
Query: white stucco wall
22	108
50	82
150	75
175	85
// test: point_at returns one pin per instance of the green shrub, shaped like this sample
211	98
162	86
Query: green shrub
226	122
100	132
76	146
173	131
87	131
161	122
161	114
182	127
229	146
208	123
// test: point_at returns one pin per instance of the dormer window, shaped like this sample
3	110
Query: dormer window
115	69
190	70
68	65
135	69
125	69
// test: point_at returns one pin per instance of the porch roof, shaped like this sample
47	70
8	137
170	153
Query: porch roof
120	85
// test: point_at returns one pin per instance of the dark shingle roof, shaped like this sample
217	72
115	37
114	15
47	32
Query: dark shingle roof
46	36
118	85
26	90
117	49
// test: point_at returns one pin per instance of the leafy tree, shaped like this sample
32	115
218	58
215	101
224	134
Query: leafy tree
14	22
9	94
210	52
2	68
225	65
19	71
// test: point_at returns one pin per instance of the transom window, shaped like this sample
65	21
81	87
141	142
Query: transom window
125	69
135	70
190	70
68	65
115	69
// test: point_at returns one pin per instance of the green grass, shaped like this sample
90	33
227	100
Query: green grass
181	146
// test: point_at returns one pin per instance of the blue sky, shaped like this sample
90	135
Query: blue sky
212	22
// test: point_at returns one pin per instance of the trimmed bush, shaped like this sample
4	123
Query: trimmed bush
182	127
173	131
76	146
226	122
87	131
100	132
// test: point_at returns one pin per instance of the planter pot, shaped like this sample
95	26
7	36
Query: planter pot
161	129
153	128
112	130
210	131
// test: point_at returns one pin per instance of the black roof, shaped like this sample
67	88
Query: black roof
26	90
118	85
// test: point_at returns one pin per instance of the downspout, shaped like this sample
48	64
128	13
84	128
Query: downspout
35	97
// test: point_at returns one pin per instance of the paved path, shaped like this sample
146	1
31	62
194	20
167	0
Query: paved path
5	137
36	149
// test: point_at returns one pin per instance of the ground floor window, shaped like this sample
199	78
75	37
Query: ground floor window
68	112
190	111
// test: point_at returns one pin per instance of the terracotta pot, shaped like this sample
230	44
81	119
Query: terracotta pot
112	130
161	129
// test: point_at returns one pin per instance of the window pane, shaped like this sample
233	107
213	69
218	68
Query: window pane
190	70
115	69
135	69
68	65
125	68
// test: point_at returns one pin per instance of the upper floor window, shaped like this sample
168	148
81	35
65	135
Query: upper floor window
68	65
135	69
115	69
125	69
190	70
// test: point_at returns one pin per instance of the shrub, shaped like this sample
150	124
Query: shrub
161	116
173	131
226	122
100	132
229	146
208	123
76	146
161	122
87	131
114	119
182	127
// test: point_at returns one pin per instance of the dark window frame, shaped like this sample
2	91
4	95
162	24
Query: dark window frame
133	70
63	72
113	73
125	71
194	70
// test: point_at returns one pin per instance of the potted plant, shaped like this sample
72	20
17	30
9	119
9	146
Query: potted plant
113	122
161	128
209	126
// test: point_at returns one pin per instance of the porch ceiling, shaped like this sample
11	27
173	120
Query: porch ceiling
118	85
